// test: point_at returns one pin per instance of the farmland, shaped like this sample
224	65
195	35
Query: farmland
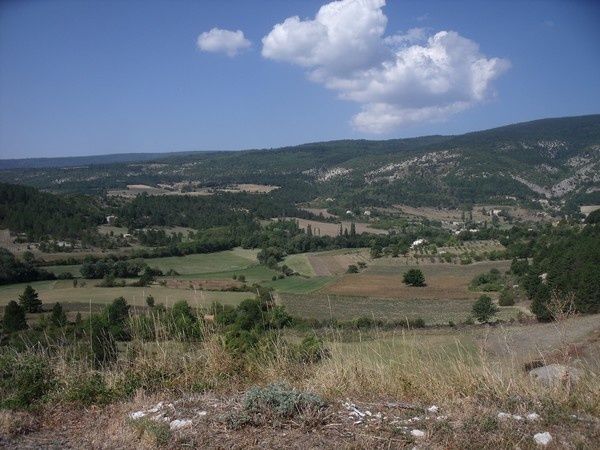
321	290
321	306
384	279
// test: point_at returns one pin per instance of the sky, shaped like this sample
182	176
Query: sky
102	77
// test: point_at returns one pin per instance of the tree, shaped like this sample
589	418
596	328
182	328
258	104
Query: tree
30	301
507	298
14	317
414	277
484	309
58	316
352	268
150	301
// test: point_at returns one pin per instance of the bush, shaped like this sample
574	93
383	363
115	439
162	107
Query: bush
24	380
484	309
507	298
281	401
310	350
14	318
58	316
414	277
352	268
88	389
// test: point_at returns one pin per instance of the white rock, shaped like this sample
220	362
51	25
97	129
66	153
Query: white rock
533	417
179	423
554	374
433	409
417	433
542	438
503	416
137	415
517	417
202	413
156	408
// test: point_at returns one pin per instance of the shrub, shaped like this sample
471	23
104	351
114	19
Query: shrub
88	389
24	379
484	309
281	401
58	317
150	301
14	317
414	277
311	350
352	268
507	298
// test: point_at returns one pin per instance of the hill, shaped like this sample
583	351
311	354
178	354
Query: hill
544	163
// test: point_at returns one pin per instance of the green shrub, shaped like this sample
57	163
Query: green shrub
414	277
281	401
89	389
352	268
484	309
507	298
14	317
310	350
24	379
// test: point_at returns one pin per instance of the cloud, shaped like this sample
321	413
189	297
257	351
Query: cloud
398	79
223	41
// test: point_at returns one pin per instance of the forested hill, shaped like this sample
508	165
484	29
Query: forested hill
40	215
555	161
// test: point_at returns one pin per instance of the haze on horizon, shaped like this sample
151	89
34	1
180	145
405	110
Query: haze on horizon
120	77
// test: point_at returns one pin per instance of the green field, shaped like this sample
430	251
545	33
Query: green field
64	292
299	285
299	263
229	262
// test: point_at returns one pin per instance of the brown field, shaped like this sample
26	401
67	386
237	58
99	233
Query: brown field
7	241
337	261
136	189
333	229
586	209
252	188
384	279
455	215
317	211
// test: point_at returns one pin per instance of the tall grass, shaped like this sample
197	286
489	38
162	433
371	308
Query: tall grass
378	365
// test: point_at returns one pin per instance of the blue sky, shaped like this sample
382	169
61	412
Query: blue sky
97	77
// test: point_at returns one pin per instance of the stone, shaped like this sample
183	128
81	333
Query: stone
417	433
554	374
532	417
179	423
542	439
503	416
137	415
433	409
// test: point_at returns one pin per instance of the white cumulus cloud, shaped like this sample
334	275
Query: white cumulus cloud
223	41
397	79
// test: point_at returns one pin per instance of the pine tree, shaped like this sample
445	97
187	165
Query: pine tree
484	309
14	317
30	301
58	316
352	229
